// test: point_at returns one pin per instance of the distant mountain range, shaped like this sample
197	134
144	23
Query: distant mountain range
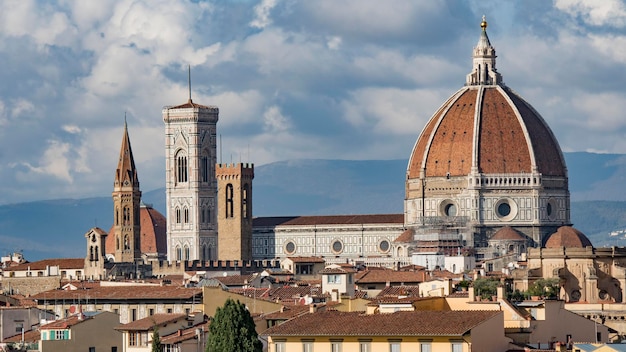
56	228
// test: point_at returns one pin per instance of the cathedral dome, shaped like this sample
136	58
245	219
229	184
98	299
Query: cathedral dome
508	233
153	242
485	127
567	236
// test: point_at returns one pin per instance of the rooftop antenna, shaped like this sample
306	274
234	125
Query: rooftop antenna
189	80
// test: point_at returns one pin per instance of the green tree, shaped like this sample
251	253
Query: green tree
548	288
232	329
486	287
156	340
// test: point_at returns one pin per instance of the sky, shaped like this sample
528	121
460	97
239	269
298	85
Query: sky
324	79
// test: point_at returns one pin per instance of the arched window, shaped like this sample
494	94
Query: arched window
186	252
229	201
126	220
204	168
117	215
181	168
117	243
178	215
244	202
186	215
179	253
126	242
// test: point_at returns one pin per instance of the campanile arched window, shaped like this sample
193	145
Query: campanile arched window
245	202
229	201
181	168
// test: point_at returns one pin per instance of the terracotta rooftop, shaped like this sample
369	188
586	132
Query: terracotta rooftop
508	233
148	323
337	271
119	293
415	323
235	280
184	334
406	237
291	295
391	276
64	323
329	220
396	291
64	263
29	336
567	236
190	104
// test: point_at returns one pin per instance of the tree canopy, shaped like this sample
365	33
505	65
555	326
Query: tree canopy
156	340
232	329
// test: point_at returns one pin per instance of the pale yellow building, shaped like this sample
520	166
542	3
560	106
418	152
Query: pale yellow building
435	331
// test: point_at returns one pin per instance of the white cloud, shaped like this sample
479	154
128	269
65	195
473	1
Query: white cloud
22	107
54	162
333	42
72	129
595	12
262	12
274	121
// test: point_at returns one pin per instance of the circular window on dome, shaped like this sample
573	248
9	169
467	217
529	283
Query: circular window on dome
337	247
448	208
290	247
506	209
551	209
384	246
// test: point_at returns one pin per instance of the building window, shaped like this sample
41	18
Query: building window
337	247
307	346
365	346
186	252
19	326
244	202
333	279
133	314
229	201
204	168
178	215
179	253
335	346
280	347
457	347
425	347
132	338
61	335
186	213
151	311
394	346
181	169
92	349
290	247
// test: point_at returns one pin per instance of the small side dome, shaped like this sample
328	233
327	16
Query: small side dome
567	236
508	233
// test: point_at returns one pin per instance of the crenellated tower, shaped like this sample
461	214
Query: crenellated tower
126	203
191	188
235	211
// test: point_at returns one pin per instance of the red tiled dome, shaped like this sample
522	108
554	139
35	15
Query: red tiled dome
567	236
489	128
508	233
153	233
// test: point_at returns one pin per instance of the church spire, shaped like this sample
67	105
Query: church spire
484	61
126	203
126	173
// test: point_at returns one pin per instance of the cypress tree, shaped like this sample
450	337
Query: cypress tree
232	329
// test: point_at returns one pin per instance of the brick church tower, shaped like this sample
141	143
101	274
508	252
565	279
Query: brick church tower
234	204
126	203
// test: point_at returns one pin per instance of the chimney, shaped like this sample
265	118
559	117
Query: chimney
312	308
472	295
500	292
